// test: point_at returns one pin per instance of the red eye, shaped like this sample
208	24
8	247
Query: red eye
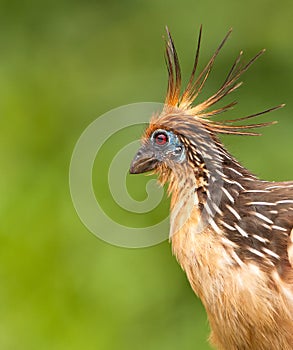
161	138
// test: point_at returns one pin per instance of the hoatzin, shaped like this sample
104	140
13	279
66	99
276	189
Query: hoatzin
231	232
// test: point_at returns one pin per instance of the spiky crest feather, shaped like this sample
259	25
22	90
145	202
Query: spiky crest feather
175	101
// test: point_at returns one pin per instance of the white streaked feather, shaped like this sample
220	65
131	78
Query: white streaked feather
261	203
229	227
229	196
233	211
241	231
262	217
256	252
235	171
285	201
261	239
276	227
271	253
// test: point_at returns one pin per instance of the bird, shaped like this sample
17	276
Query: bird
231	232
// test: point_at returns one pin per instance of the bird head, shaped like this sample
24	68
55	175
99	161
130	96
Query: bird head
183	139
175	150
162	147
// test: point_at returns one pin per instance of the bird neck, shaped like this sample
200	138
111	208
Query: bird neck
202	191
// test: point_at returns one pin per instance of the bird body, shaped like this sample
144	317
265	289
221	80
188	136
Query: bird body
231	232
249	303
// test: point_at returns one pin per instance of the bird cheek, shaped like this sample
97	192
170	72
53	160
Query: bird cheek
178	155
181	157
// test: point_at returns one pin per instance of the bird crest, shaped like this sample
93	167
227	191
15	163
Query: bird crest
183	102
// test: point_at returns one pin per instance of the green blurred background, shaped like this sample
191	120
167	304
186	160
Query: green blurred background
62	64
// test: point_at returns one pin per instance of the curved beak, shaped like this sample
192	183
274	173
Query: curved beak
143	161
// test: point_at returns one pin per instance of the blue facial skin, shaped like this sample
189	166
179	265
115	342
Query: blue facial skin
173	150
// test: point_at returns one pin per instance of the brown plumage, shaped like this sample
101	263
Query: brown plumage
231	232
